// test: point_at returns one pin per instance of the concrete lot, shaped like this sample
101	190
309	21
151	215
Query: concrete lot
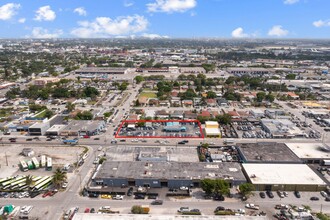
61	155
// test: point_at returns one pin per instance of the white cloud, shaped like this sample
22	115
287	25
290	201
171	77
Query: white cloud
128	3
45	13
7	11
153	36
278	31
170	6
239	33
22	20
290	2
80	11
105	26
39	32
322	23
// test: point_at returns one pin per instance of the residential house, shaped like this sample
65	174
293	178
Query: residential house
187	103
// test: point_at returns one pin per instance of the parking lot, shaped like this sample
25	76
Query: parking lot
160	129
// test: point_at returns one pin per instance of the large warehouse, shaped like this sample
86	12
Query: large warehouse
164	174
288	177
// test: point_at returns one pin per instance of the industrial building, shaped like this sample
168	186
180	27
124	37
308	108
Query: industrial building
266	152
101	70
212	129
311	153
163	174
288	177
174	127
81	127
282	128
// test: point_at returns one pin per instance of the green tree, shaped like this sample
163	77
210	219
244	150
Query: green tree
290	76
270	97
48	113
261	96
246	189
59	177
207	186
224	119
123	86
85	115
139	79
208	67
136	209
91	92
221	187
107	114
211	95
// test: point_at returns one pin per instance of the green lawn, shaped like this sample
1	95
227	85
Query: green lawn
148	94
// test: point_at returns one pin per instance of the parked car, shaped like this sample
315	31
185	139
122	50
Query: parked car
92	210
297	194
251	206
324	194
184	188
130	191
157	202
181	142
183	209
262	195
270	194
219	208
314	198
87	210
139	196
118	197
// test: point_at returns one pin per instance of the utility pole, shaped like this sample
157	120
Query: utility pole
6	158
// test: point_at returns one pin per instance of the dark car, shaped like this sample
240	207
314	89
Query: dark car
270	194
262	195
297	194
96	139
185	141
219	198
195	210
139	196
122	140
130	191
29	139
92	210
157	202
219	208
181	142
314	198
327	198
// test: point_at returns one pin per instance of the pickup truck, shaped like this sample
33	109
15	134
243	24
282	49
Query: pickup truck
252	206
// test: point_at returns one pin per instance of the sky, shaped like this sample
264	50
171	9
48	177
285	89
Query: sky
165	18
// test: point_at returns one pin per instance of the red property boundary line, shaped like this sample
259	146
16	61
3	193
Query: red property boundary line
136	121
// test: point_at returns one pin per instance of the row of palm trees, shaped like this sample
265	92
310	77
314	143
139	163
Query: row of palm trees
59	177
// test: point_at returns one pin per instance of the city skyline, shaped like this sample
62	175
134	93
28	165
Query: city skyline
165	19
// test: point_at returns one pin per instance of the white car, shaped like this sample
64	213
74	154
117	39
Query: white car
99	148
64	185
118	197
184	188
252	206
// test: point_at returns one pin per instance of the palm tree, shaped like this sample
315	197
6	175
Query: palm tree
29	182
59	177
70	107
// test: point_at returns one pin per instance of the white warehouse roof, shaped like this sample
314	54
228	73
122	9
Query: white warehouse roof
282	174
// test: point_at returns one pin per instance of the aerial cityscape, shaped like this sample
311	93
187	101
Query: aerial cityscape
165	109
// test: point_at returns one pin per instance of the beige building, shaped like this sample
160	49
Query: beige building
45	80
212	129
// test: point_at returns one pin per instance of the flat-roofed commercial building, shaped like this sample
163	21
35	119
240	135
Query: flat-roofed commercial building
101	70
267	152
212	129
312	153
164	174
288	177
